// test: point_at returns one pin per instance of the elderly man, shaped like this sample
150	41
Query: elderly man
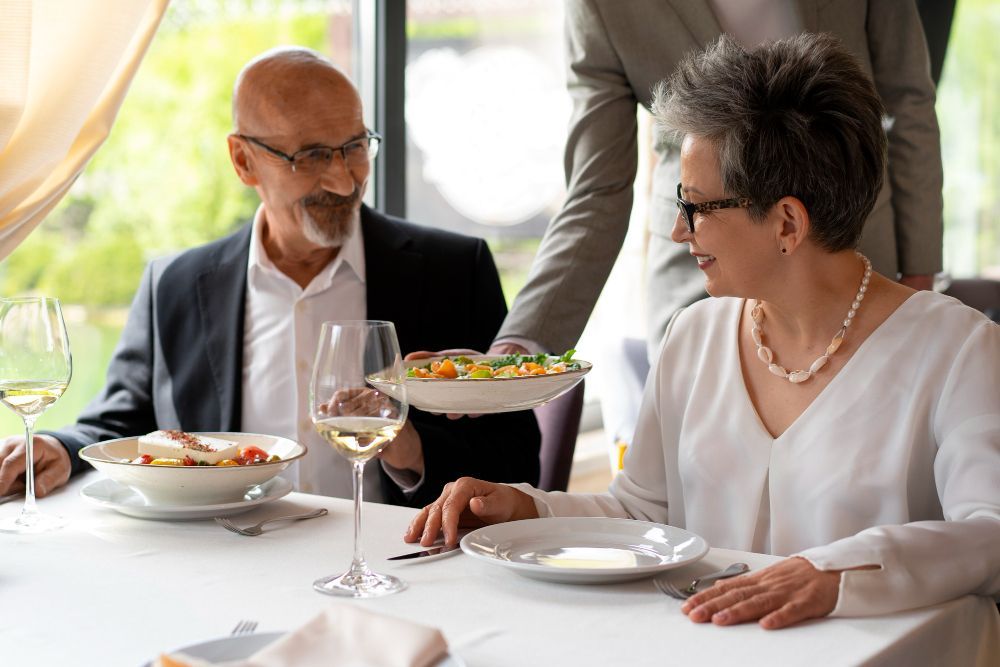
222	337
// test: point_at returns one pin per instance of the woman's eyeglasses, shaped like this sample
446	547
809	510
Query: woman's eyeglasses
688	209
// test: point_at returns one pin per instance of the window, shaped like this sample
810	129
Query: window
486	117
163	181
968	108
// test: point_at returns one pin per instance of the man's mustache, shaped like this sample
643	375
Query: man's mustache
332	199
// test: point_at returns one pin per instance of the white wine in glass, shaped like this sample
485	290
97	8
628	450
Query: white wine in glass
35	369
358	405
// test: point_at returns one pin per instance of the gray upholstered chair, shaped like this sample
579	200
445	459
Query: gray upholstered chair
559	422
982	294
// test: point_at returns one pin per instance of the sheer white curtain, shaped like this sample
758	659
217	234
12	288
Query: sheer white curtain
65	66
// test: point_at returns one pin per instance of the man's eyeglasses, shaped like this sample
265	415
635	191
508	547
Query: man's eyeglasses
356	153
688	209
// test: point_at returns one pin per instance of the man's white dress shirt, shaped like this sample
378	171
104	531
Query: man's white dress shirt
281	331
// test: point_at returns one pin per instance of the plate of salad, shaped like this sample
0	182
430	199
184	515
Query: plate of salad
483	384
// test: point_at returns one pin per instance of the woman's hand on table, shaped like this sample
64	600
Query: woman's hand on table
469	502
777	596
52	465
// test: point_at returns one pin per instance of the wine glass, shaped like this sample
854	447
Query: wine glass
358	404
35	369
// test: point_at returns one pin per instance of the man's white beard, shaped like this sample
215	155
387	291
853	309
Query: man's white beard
327	237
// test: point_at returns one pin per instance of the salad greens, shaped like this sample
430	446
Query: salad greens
511	365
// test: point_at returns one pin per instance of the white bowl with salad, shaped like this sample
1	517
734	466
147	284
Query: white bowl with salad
176	483
481	384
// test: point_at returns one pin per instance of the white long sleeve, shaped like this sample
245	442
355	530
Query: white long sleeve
895	464
926	562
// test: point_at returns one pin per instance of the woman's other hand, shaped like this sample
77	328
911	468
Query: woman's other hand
469	502
778	596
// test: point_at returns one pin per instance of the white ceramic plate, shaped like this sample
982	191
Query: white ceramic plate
191	485
109	493
484	396
244	646
583	550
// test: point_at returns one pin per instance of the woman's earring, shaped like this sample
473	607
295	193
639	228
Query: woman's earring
784	251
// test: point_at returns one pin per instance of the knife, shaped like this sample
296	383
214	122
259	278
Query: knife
433	551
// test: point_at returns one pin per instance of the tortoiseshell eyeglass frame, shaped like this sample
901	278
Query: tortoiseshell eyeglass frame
688	209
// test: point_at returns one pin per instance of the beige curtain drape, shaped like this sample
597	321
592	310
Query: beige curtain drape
65	66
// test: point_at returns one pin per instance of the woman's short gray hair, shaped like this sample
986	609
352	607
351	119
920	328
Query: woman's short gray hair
795	117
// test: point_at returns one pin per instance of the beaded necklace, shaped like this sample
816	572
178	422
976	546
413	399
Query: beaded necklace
765	354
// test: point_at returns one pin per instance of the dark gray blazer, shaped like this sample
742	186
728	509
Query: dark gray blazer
179	361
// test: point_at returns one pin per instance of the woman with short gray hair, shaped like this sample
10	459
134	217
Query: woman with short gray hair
813	409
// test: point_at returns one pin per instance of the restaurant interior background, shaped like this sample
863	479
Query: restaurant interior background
484	115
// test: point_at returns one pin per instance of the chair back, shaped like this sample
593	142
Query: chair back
559	422
982	294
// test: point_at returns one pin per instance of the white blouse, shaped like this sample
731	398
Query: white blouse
896	463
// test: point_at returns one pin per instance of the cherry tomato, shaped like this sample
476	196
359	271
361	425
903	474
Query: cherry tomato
145	458
252	454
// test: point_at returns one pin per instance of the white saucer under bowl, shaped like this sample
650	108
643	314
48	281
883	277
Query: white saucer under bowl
109	493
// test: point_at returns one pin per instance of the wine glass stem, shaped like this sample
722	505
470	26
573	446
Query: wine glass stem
29	468
358	564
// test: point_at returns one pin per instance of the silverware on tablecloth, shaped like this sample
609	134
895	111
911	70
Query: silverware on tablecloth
244	628
257	529
673	591
433	551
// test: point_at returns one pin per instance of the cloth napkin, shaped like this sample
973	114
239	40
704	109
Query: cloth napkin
346	636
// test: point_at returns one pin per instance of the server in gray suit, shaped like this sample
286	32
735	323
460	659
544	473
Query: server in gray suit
222	337
617	52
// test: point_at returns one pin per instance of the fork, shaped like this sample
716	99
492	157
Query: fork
257	529
244	628
684	593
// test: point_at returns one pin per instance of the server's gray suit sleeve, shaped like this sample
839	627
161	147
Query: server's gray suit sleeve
584	238
902	76
124	407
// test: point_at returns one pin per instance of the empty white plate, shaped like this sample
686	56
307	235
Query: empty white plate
585	550
121	498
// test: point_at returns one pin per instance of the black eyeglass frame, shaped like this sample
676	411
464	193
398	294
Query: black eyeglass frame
688	209
373	138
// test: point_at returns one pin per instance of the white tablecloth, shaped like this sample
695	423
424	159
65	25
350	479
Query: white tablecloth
114	590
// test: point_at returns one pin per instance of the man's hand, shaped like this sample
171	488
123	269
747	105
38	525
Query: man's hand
363	402
454	352
52	465
778	596
469	502
507	348
918	281
405	452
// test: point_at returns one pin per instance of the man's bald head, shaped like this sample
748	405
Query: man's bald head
276	85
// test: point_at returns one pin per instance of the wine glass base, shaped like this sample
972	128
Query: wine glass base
366	584
32	523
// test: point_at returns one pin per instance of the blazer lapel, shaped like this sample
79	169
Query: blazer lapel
221	291
393	276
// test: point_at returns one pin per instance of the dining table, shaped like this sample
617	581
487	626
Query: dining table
110	589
